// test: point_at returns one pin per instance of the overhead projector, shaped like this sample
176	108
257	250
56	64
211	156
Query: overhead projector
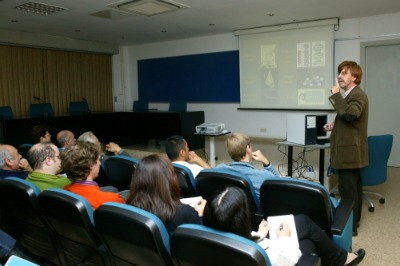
210	128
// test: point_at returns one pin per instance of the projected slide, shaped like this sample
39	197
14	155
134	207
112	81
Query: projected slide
290	69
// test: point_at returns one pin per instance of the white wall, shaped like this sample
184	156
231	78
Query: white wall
349	38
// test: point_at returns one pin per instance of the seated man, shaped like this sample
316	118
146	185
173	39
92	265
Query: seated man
12	163
177	150
110	147
45	160
81	163
239	149
65	138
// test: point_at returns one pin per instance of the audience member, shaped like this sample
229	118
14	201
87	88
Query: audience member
239	149
110	147
81	163
40	133
155	188
178	152
229	211
65	138
45	160
12	163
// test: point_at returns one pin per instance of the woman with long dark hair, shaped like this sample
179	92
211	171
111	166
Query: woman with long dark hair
229	211
155	188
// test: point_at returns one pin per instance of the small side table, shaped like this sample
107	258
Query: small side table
212	144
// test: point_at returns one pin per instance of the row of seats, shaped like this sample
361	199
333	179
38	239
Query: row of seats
60	227
46	110
278	196
82	108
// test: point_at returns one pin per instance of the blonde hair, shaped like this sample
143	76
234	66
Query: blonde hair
236	145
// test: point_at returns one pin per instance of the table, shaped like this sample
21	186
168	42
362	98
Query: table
321	148
124	128
212	144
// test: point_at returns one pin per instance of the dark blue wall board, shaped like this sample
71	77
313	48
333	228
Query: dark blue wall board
212	77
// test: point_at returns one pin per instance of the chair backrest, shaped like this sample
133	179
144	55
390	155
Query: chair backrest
140	106
379	148
40	110
133	236
200	245
24	148
6	113
282	196
177	106
119	170
18	198
211	181
79	108
186	181
71	218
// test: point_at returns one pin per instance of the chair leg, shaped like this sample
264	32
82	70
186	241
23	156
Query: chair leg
371	207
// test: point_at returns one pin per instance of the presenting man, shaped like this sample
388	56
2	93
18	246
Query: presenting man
349	143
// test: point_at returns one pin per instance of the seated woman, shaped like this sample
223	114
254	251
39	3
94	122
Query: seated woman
155	188
81	163
229	211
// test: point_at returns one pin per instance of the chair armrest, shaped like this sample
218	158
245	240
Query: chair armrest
342	215
309	260
259	215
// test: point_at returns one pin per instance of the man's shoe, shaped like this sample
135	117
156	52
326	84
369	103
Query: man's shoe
360	253
355	233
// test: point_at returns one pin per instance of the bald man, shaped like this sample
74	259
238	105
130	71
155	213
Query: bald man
12	163
46	164
65	138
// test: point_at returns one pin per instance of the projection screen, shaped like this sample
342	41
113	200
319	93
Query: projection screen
287	69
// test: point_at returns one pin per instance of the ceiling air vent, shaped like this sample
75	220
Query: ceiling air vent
40	8
148	7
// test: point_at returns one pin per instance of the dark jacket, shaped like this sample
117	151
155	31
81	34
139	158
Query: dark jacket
349	143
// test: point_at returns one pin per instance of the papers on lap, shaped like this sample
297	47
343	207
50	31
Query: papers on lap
191	201
275	221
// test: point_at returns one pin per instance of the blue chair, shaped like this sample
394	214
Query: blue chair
186	181
140	106
119	170
177	106
379	148
6	113
79	108
282	196
212	181
132	236
193	244
19	200
40	110
71	218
